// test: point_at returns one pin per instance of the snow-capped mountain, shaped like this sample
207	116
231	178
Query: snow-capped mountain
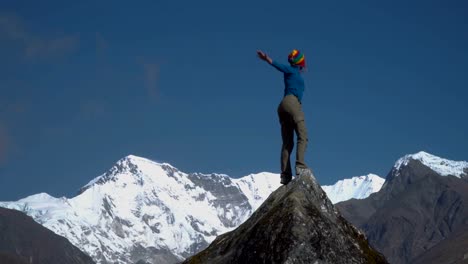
362	186
359	187
257	187
422	204
144	210
442	166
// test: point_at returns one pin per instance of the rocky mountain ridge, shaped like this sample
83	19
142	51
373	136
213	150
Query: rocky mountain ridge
422	203
149	211
296	224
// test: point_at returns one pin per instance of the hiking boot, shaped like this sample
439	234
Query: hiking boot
285	178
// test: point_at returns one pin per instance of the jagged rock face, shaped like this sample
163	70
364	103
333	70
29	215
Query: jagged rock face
22	240
415	210
452	250
11	258
296	224
228	196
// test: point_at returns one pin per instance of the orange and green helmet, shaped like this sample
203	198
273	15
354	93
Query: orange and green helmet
296	58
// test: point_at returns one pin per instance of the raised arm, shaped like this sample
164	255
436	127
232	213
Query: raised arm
280	67
262	55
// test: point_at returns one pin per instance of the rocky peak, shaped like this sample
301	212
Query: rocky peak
127	164
130	165
296	224
421	166
124	165
422	203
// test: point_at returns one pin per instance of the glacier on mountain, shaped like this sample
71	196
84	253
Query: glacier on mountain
440	165
144	208
359	187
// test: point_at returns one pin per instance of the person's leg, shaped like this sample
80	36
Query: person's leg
301	134
287	136
295	109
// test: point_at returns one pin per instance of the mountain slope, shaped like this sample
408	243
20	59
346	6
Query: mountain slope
10	258
296	224
23	240
148	211
257	187
452	250
421	203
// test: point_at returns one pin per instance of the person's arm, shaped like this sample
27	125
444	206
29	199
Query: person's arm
262	55
281	67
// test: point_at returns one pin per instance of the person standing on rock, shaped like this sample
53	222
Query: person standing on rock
290	113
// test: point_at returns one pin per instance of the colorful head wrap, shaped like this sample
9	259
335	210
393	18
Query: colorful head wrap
296	58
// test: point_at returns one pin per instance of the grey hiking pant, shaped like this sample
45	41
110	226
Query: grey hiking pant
292	120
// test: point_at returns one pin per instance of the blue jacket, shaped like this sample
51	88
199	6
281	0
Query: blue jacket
293	81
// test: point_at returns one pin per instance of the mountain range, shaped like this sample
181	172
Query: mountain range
420	214
141	210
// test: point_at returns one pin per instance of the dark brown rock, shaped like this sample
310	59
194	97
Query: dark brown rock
9	258
22	240
452	250
296	224
414	211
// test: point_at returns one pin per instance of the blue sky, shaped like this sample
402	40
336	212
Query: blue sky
85	84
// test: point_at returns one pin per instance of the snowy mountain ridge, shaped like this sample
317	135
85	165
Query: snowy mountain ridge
144	210
358	187
440	165
140	207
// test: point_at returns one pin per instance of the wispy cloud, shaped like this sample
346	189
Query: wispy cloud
13	28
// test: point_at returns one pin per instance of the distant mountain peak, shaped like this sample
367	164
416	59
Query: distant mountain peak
440	165
358	187
134	157
38	197
419	206
129	165
137	160
369	177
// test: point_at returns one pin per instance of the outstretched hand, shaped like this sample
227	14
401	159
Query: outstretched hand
262	55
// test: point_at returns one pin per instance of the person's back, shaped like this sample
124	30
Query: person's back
293	81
